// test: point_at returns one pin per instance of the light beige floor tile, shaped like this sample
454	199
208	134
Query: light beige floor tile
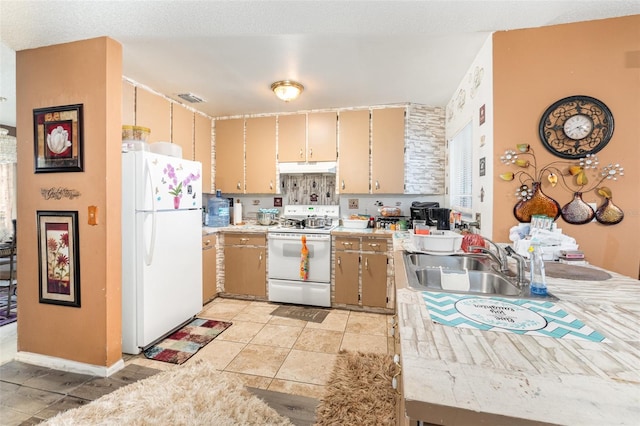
225	309
367	323
253	313
307	367
317	340
258	360
297	388
364	343
218	353
250	380
281	336
336	321
241	331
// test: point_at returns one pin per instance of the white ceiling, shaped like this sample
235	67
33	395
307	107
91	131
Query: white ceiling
346	53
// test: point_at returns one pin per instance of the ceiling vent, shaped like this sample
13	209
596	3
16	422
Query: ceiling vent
190	97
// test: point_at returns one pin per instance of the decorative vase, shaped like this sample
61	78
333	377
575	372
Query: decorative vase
176	202
608	213
577	211
539	203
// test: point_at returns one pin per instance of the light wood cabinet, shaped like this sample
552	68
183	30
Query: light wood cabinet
360	270
321	136
292	138
245	264
182	129
153	111
353	158
209	268
229	149
260	153
387	150
202	149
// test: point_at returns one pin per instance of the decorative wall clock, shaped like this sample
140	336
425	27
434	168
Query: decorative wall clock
576	126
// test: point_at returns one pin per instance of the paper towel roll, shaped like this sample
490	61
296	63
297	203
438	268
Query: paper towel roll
237	213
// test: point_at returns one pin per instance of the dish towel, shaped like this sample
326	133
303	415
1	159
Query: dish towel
304	260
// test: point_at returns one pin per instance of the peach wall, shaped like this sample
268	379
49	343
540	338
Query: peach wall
535	67
86	72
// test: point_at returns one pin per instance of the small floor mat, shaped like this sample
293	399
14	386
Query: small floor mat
301	313
184	343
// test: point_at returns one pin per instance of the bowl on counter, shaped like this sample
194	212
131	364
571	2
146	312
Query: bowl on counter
267	218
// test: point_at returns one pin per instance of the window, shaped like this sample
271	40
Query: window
7	183
460	170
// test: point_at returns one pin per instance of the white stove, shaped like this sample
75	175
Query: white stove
285	246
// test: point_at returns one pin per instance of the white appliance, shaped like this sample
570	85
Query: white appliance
161	246
285	245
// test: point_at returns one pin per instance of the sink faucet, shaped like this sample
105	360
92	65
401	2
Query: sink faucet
500	256
521	280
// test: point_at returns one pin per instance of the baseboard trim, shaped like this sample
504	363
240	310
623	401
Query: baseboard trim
68	365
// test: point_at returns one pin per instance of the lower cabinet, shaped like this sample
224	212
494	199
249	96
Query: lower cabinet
360	270
209	268
245	271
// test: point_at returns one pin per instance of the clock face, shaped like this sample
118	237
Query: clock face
576	126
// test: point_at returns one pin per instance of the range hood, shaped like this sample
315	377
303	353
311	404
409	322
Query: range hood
318	167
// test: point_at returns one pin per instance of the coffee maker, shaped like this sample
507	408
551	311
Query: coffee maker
439	217
420	210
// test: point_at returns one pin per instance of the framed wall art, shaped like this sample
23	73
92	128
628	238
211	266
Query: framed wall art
58	139
58	257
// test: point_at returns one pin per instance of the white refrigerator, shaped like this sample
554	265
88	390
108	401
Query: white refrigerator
161	246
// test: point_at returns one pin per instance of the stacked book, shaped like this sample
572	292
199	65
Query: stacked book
573	257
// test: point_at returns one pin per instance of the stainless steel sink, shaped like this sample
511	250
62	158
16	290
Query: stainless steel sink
424	274
455	262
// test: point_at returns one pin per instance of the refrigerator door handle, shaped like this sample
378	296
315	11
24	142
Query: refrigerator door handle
148	254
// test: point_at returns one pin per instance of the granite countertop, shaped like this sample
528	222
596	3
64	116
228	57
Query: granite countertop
249	226
456	375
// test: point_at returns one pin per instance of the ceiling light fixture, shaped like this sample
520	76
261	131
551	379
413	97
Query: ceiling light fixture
287	90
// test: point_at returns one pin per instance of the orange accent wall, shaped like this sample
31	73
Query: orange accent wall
86	72
535	67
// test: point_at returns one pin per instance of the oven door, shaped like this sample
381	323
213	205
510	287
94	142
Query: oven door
284	256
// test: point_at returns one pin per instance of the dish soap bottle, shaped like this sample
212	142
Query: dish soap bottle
538	280
218	211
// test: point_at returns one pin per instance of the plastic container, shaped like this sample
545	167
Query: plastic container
355	223
538	279
218	209
438	242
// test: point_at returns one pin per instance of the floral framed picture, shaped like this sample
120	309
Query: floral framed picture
58	139
58	255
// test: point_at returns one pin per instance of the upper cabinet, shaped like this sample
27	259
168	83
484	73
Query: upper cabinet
202	149
260	153
292	138
153	111
182	129
387	150
321	136
354	152
229	149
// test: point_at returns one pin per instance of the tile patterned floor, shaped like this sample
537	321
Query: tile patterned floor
264	351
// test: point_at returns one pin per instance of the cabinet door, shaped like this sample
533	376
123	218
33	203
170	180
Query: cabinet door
347	272
182	129
245	271
233	270
321	136
374	280
387	151
353	158
261	155
292	138
153	111
209	269
202	149
229	148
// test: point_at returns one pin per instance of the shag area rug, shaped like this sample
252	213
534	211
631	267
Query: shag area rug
184	343
359	391
192	395
301	313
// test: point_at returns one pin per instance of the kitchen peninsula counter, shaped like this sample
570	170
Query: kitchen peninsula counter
462	376
247	227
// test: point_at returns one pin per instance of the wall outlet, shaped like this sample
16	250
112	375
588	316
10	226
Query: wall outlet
353	204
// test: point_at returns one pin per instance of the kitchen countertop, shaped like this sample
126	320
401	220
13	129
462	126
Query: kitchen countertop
251	226
453	375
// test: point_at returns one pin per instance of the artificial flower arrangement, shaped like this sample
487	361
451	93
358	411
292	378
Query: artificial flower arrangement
572	175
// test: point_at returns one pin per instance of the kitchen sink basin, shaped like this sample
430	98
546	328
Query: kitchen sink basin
424	273
455	262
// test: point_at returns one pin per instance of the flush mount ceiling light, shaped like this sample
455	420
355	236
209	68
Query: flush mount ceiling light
287	90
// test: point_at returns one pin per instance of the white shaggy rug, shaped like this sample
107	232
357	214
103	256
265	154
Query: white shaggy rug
193	394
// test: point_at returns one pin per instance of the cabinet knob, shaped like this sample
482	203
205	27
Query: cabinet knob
301	153
238	186
310	152
260	258
244	240
343	184
206	243
374	245
366	264
271	185
377	185
339	260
